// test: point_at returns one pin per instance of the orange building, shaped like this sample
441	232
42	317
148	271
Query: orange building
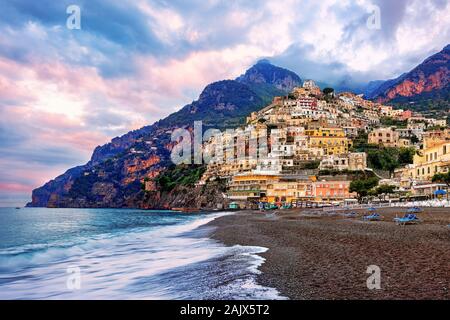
332	191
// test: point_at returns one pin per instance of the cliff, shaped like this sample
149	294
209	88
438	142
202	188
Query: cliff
430	79
116	172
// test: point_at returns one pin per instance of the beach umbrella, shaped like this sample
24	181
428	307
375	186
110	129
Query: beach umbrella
440	193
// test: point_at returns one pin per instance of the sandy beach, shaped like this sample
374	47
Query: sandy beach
325	256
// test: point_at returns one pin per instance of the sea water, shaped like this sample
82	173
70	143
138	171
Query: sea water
121	254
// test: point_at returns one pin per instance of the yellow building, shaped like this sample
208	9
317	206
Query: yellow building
289	189
332	140
270	188
250	186
432	160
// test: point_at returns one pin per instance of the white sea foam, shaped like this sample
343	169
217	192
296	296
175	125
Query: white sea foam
165	262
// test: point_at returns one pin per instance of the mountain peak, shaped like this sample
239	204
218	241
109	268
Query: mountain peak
264	72
429	79
264	61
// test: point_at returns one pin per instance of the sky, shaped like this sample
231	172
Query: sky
63	91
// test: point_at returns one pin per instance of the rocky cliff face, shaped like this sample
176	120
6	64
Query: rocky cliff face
265	73
115	175
430	78
208	196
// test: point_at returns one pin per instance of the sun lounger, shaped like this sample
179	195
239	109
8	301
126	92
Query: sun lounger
409	218
351	214
373	217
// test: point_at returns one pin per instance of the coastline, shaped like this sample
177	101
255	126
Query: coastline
312	256
123	254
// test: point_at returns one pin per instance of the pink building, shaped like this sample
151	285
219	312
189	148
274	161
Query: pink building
406	114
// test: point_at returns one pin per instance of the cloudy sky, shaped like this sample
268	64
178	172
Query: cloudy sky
63	91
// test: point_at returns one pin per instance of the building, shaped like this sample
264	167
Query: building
407	114
435	159
353	162
427	189
289	189
351	132
357	161
250	186
332	140
332	191
388	137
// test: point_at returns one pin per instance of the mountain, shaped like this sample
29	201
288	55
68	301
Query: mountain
116	171
371	87
429	80
265	73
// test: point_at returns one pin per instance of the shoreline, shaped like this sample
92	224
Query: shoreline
325	256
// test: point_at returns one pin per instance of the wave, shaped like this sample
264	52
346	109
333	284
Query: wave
174	261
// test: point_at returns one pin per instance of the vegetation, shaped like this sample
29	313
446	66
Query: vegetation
82	186
433	106
442	178
363	187
351	175
385	189
360	143
435	128
391	122
185	175
311	165
414	139
382	190
384	158
328	91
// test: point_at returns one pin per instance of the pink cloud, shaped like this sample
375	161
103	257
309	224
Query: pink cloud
14	187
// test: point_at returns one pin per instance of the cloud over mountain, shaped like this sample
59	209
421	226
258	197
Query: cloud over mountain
64	91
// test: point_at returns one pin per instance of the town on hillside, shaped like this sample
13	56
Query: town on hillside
327	149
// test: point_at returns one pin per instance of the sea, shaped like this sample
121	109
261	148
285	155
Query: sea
122	254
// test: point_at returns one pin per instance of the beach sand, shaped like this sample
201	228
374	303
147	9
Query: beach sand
325	256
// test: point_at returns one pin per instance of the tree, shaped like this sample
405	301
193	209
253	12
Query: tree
414	139
383	159
360	143
442	178
406	156
362	187
384	189
389	159
310	165
390	122
328	91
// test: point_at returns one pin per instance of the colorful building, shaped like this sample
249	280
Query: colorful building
388	137
332	140
435	159
332	191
